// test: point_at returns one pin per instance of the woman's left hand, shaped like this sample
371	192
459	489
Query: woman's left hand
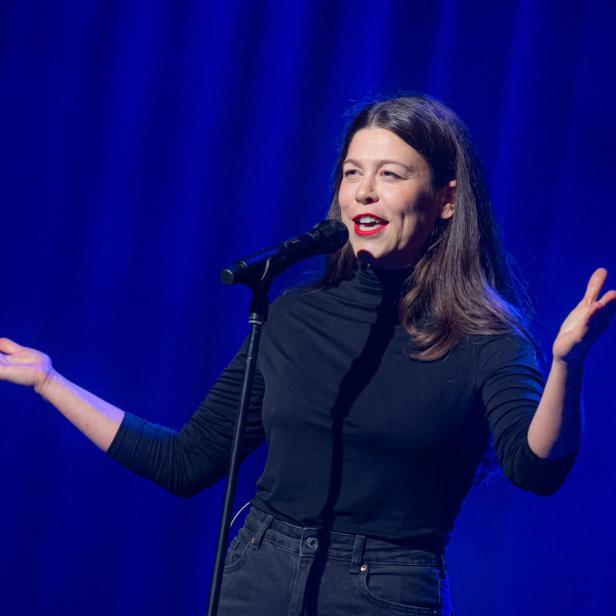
586	322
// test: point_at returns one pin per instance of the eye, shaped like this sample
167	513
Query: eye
391	174
348	173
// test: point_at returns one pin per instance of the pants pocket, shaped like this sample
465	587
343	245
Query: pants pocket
403	589
238	551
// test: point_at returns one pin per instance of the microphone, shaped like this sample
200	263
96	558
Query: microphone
325	237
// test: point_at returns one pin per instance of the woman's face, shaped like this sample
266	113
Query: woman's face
387	200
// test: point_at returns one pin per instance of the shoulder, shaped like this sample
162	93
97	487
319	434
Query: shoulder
499	346
290	297
294	302
503	353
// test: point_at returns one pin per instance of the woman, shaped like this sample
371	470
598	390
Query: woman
377	388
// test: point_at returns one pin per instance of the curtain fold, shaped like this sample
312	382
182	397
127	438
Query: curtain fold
147	144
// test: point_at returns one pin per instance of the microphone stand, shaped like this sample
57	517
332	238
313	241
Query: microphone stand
257	316
257	273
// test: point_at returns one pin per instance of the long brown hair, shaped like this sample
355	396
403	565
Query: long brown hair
462	283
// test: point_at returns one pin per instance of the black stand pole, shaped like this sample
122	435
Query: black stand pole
256	319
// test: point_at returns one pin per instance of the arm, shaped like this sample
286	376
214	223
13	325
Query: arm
95	418
557	426
183	461
511	387
196	456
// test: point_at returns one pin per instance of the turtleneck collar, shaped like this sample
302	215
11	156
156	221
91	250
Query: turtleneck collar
377	291
381	282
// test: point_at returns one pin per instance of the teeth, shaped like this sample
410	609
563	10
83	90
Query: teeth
368	220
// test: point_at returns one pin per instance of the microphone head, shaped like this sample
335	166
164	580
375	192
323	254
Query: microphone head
331	235
324	238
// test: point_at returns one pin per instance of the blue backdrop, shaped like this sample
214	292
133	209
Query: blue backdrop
144	145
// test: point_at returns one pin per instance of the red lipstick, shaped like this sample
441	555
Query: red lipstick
363	232
373	229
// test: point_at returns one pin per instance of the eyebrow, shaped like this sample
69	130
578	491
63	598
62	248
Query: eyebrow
379	163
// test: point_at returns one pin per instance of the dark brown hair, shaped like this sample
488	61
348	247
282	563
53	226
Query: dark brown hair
462	283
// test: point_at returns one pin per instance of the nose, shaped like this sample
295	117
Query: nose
366	191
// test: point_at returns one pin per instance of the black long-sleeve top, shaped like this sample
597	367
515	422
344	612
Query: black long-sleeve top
362	439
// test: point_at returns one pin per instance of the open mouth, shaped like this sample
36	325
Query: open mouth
368	224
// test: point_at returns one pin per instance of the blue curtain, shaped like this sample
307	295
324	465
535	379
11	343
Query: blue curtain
145	145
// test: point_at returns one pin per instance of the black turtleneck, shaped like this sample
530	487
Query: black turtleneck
362	439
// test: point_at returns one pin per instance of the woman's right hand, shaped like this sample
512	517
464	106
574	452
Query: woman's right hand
97	419
22	365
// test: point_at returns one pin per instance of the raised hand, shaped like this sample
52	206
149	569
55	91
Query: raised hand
22	365
586	322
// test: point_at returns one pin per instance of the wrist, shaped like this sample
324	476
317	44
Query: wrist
568	365
46	381
569	373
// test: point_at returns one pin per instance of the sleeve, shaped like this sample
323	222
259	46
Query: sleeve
186	461
511	387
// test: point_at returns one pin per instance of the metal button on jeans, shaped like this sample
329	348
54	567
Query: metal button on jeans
312	543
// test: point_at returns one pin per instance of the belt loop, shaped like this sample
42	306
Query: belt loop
358	553
255	541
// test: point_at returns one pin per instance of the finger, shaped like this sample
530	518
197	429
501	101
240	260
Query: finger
600	314
594	286
608	310
8	346
607	297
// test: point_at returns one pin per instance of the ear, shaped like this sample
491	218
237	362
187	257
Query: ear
448	200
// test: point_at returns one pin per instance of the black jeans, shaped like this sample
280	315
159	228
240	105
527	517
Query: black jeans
278	569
